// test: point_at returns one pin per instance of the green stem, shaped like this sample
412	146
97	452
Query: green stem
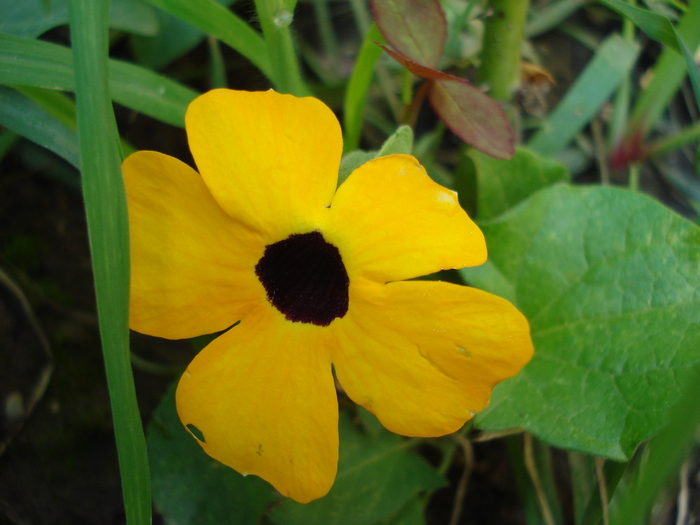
503	38
621	107
328	38
108	230
633	182
362	16
358	86
276	18
665	145
218	68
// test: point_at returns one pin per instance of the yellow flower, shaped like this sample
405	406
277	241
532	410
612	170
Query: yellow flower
317	278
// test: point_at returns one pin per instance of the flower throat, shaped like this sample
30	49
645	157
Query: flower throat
305	279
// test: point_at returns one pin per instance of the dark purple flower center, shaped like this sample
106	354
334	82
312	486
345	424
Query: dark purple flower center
305	279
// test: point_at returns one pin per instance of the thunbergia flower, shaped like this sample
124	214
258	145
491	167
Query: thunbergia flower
317	279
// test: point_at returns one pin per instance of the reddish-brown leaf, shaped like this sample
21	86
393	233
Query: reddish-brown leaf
473	116
415	28
415	68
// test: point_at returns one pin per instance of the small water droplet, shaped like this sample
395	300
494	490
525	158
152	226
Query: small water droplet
244	474
283	19
464	351
472	413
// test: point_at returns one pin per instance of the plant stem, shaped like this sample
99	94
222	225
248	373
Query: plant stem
218	69
664	145
503	37
276	18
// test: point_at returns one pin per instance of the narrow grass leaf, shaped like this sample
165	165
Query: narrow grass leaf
26	118
415	28
666	452
55	103
32	18
358	86
656	27
691	64
174	39
108	229
550	15
668	73
662	30
218	21
609	282
610	65
28	62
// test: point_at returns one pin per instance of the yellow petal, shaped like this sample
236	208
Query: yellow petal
192	266
424	356
262	395
270	160
390	222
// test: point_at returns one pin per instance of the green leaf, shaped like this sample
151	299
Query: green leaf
610	284
352	161
32	18
415	28
28	62
504	183
216	20
108	230
412	513
25	117
668	73
473	116
665	454
691	65
189	486
655	26
358	86
175	38
401	142
662	30
377	475
594	86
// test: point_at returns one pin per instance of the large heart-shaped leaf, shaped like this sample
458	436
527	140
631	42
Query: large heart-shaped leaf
610	281
504	183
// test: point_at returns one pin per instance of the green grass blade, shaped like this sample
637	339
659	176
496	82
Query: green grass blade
654	25
666	452
669	72
356	93
28	62
214	19
105	205
275	18
603	74
25	117
662	30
